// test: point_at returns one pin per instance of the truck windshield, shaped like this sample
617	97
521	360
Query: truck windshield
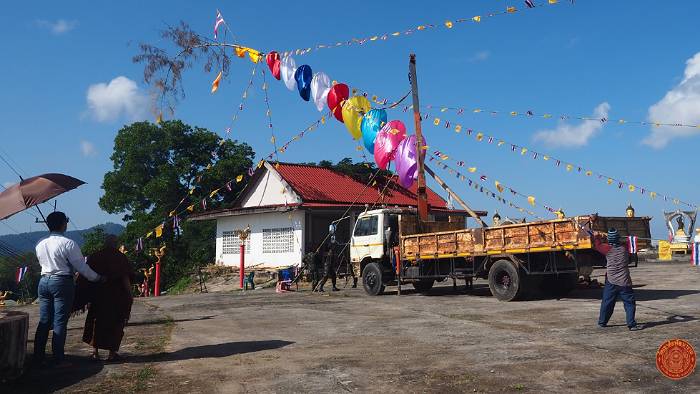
367	226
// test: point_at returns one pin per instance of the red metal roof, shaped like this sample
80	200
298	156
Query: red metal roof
322	185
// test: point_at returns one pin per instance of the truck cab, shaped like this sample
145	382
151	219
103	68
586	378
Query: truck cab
370	234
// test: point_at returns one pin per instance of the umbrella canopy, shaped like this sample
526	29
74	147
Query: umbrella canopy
34	191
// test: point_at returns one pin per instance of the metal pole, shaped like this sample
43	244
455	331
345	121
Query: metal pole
422	195
455	196
241	268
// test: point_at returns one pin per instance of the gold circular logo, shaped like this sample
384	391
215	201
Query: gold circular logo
675	359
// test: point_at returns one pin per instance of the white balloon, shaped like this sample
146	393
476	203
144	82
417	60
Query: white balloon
287	68
320	86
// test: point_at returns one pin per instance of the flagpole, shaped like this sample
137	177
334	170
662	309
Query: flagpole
421	192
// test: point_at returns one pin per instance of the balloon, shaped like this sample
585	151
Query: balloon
388	138
303	76
320	86
336	95
273	63
287	69
406	163
354	109
371	123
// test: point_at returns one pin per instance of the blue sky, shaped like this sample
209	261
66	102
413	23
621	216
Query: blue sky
60	113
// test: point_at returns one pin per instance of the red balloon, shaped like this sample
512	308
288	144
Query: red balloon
338	93
273	62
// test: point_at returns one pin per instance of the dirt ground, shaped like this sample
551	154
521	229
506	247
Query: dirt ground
260	341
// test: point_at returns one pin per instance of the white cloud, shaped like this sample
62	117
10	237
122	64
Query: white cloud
570	136
680	105
58	27
480	56
88	148
120	97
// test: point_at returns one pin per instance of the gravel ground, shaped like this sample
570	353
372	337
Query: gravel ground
260	341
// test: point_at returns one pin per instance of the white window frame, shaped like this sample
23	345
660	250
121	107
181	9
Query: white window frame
278	240
231	243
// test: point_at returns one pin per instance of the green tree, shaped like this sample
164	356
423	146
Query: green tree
94	241
158	168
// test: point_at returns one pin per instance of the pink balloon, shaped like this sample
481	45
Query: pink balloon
386	142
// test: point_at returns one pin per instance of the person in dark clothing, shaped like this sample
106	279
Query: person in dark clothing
108	305
328	269
617	280
313	266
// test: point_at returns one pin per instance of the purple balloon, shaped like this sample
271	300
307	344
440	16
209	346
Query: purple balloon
406	162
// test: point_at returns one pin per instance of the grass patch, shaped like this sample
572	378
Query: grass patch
518	387
181	285
142	377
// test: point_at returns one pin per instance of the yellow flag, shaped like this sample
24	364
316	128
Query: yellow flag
448	24
171	214
589	173
159	231
545	157
499	187
150	233
239	178
477	19
190	208
547	116
631	187
610	181
523	151
191	191
652	195
471	169
213	193
531	200
436	121
479	136
240	51
511	9
458	128
260	163
501	143
552	1
569	167
254	55
277	165
272	139
209	166
513	113
215	84
358	148
159	118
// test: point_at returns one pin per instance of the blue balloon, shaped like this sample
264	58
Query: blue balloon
303	76
372	122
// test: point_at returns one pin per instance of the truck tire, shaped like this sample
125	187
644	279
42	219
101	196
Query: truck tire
506	281
372	279
423	285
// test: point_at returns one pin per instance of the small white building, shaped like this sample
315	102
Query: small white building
289	207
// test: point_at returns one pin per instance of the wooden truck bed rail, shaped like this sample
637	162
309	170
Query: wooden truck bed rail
550	235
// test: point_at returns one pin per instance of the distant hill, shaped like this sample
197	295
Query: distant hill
25	242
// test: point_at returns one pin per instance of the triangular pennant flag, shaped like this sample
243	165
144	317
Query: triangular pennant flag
531	200
215	84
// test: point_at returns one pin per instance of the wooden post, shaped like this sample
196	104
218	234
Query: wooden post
422	195
14	328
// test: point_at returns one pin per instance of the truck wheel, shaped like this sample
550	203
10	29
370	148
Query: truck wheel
372	279
506	281
423	285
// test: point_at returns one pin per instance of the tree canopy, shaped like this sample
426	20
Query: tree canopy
161	167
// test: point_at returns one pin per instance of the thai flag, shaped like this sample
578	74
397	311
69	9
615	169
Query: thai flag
219	20
695	259
632	244
21	271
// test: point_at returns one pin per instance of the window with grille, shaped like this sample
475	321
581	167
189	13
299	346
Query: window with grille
278	240
232	243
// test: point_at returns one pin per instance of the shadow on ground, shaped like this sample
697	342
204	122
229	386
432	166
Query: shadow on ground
210	351
47	380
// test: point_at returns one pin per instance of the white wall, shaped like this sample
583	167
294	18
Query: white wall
257	223
270	189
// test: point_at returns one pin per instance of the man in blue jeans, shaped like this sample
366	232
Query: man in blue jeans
617	280
60	258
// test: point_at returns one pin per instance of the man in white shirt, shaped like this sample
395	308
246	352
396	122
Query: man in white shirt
59	258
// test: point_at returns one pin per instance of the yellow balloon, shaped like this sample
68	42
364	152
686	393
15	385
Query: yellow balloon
354	109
